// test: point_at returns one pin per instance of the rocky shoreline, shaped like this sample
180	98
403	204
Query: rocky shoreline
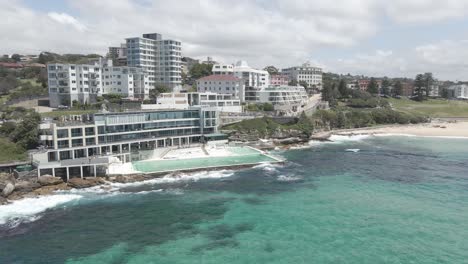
12	189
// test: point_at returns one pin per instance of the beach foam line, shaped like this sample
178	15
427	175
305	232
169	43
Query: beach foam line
27	210
170	178
412	135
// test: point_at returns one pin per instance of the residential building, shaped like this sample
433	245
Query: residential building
407	88
434	90
459	91
252	78
85	82
279	79
85	145
159	58
223	69
307	73
222	84
286	100
118	54
221	102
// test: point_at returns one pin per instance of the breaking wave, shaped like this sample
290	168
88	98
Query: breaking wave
28	209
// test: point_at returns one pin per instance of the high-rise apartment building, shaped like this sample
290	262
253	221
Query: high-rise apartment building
160	58
307	73
85	82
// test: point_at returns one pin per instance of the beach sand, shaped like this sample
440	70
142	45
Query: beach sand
433	129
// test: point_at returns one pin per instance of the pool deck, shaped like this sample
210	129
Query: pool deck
129	168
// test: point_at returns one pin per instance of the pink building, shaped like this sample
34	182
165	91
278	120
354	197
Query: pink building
279	80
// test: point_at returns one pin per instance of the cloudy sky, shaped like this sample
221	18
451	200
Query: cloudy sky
370	37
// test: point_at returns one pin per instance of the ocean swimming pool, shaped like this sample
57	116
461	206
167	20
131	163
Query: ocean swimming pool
240	156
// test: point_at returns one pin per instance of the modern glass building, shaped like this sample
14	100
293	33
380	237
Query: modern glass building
81	140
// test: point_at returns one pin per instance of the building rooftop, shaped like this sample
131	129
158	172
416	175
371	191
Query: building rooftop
215	77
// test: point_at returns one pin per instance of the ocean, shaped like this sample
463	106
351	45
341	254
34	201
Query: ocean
399	199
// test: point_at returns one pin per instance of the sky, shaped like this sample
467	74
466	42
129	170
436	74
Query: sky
397	38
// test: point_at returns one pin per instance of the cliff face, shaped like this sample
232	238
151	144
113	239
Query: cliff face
277	135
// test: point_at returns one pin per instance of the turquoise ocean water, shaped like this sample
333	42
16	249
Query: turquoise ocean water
397	200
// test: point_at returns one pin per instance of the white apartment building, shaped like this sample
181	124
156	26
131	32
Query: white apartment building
459	91
311	75
253	78
160	58
85	82
222	84
219	102
288	100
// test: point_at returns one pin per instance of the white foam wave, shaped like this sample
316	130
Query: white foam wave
172	178
268	167
344	138
283	178
27	210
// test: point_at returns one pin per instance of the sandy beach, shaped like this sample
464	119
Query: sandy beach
433	129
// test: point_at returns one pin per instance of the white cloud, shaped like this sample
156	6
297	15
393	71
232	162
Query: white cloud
418	11
66	19
263	32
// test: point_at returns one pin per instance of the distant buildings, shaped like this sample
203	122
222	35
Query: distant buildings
307	73
363	84
222	84
285	99
159	58
279	79
220	102
253	78
119	54
85	82
459	91
407	88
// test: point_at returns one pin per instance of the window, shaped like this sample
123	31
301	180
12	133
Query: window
90	141
76	132
62	133
89	131
77	142
62	144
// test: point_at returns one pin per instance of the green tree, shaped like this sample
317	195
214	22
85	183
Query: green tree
293	83
342	88
268	107
428	82
271	69
304	84
386	86
26	131
200	70
158	89
398	88
419	86
305	124
16	57
373	87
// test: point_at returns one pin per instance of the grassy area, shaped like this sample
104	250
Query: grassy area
58	113
10	152
432	107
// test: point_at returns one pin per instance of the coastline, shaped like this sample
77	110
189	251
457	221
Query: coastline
437	128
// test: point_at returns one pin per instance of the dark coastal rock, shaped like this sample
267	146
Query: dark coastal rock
6	178
129	178
26	186
79	183
3	201
49	180
47	190
9	188
288	141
